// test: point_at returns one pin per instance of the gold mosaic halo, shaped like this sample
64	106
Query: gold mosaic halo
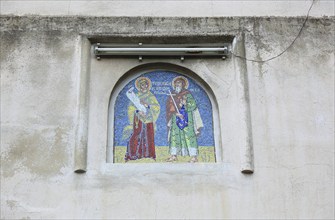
141	79
181	78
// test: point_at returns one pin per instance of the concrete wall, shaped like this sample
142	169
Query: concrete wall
168	8
291	108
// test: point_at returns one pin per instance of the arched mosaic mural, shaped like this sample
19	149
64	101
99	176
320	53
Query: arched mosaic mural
163	116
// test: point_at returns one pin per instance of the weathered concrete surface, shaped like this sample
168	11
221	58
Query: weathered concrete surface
170	8
291	105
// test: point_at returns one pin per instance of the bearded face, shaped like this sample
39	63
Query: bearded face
178	89
178	86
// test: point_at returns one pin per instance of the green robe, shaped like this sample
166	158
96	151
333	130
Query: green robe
183	142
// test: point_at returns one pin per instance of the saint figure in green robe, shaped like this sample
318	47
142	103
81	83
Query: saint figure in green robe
183	121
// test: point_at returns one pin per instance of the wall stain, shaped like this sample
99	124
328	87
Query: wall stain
42	153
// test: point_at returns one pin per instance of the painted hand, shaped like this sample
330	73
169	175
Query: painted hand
180	115
144	103
142	114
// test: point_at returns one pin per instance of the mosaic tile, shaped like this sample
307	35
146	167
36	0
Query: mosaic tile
163	116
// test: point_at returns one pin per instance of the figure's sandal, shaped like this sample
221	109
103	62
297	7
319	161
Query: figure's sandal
172	159
193	160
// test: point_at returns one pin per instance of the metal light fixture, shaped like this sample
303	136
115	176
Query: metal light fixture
158	50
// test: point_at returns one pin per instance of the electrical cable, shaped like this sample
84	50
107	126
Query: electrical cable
281	53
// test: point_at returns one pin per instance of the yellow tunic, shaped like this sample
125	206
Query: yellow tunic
153	111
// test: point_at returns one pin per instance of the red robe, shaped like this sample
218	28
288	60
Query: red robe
142	141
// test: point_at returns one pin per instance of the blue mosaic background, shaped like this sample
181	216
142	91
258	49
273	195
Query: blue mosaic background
161	84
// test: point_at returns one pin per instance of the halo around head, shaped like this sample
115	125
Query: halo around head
141	79
186	84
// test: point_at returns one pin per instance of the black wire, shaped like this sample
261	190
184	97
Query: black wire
263	61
